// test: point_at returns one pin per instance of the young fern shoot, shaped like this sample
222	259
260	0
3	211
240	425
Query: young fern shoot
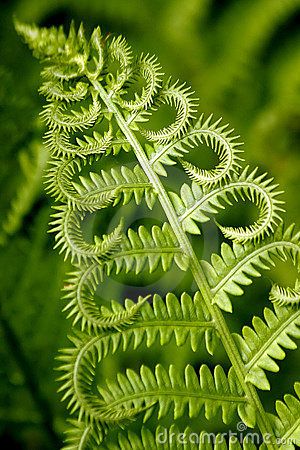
85	93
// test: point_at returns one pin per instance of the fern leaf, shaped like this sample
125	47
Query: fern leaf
82	436
120	52
266	341
95	61
178	96
67	226
81	305
149	70
124	182
285	296
56	118
99	190
287	421
160	245
105	70
54	90
44	42
59	144
59	176
79	366
67	55
215	136
195	204
171	389
174	439
228	273
186	319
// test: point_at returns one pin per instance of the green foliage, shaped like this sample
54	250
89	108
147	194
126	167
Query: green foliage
81	71
33	163
188	441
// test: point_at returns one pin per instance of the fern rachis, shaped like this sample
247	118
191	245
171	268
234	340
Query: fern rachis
70	58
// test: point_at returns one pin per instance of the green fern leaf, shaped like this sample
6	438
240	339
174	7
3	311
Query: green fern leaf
287	421
149	70
266	341
54	90
186	319
56	118
120	52
80	290
121	184
173	389
124	92
44	42
59	144
144	247
196	203
82	436
215	136
228	273
285	296
124	182
174	439
67	226
178	96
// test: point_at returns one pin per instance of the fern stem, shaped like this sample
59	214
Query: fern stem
199	276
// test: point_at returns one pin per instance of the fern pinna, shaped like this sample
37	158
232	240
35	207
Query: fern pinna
85	82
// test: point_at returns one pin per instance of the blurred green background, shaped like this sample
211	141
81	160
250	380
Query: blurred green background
242	58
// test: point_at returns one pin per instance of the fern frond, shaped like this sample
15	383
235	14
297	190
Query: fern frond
171	389
159	245
95	61
187	319
81	306
43	42
59	184
196	203
120	52
180	97
67	56
124	182
82	436
215	136
120	184
287	421
80	290
59	144
149	70
55	117
67	226
174	439
59	175
79	366
228	273
266	341
285	296
65	70
83	71
55	90
164	388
